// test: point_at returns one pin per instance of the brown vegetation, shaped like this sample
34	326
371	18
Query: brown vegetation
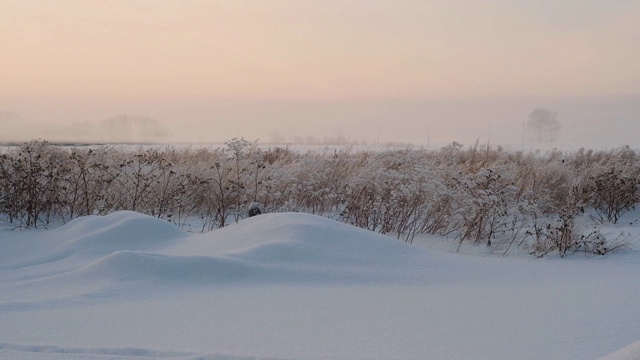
503	199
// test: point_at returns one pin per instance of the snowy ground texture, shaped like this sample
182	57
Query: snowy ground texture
297	286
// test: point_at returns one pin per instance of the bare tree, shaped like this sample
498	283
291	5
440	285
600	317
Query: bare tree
543	124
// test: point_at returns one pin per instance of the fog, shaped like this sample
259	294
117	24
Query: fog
586	122
346	71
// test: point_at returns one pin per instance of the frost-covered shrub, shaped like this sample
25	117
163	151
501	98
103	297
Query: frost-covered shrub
401	192
508	200
9	205
141	180
548	180
372	198
487	199
320	181
557	234
31	183
87	182
562	232
613	192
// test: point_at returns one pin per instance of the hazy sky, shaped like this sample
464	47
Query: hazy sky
259	66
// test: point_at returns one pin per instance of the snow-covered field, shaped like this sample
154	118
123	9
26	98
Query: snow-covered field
297	286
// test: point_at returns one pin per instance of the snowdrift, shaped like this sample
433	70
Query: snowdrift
629	352
89	237
272	248
298	286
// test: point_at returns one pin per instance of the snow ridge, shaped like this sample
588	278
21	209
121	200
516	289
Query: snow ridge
55	352
288	285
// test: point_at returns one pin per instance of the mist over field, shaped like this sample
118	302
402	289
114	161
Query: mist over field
371	179
585	122
422	72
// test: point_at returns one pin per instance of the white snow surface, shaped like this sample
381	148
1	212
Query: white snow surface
298	286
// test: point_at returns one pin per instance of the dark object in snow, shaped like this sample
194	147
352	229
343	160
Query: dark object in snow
254	209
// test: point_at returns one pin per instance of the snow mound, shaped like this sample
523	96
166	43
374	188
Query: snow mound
123	230
629	352
90	237
296	247
66	353
129	286
163	269
272	248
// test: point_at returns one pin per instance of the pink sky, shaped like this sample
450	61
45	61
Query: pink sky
132	56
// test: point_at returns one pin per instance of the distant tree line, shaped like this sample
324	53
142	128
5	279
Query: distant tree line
118	129
508	200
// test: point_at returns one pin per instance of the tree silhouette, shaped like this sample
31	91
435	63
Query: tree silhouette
543	124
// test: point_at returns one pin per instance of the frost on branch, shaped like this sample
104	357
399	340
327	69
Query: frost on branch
508	201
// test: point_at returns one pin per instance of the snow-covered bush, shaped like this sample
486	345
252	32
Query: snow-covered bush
507	200
399	192
614	191
557	232
32	190
487	199
563	231
142	181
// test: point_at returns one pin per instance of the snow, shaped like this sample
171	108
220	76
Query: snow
631	352
298	286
